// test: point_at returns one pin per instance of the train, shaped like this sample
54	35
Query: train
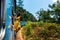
7	7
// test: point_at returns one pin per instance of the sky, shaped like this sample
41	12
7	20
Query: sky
35	5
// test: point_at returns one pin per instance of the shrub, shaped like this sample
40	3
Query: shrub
41	31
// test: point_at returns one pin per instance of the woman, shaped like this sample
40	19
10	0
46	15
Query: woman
17	25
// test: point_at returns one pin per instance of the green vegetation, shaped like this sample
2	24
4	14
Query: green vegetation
41	31
52	15
26	16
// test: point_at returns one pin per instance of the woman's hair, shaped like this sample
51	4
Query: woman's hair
18	14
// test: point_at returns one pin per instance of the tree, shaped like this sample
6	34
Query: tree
56	10
43	15
26	16
20	3
51	15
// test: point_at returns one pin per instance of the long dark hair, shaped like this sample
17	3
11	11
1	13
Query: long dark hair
18	14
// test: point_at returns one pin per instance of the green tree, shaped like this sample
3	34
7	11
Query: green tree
43	15
26	16
56	11
19	3
52	15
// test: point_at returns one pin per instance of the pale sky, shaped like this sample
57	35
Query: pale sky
35	5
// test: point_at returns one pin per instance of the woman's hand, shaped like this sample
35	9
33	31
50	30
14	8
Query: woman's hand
12	26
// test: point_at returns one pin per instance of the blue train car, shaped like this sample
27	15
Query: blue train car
6	11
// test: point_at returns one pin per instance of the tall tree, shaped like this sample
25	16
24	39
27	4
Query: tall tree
43	15
26	16
20	3
56	10
53	14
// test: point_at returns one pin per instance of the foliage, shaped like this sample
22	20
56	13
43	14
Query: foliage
43	15
41	31
19	3
26	16
52	15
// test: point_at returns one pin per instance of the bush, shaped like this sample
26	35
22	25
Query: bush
41	31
